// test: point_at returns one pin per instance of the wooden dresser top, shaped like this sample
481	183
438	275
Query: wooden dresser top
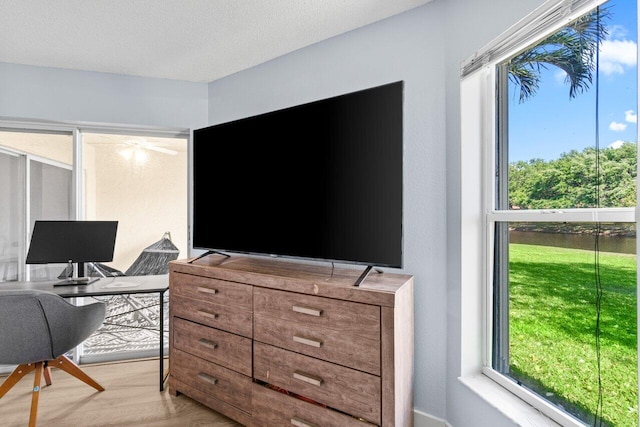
377	288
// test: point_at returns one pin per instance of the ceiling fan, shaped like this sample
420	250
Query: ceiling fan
135	147
142	143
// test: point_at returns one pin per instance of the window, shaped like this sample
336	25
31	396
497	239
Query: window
550	108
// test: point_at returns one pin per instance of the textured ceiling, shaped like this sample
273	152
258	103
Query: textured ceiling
192	40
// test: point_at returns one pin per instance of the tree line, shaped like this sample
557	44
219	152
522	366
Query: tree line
577	179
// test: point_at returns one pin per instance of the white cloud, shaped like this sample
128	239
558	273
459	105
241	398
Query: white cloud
630	116
617	127
618	32
616	144
616	55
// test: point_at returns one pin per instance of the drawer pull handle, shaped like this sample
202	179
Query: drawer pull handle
207	290
301	423
307	341
308	378
307	310
206	343
207	378
207	314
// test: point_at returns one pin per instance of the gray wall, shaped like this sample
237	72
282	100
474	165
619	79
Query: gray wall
424	47
65	95
409	47
470	25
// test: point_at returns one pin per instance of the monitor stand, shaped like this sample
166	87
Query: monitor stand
75	280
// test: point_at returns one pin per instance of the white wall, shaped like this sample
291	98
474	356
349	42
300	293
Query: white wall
66	95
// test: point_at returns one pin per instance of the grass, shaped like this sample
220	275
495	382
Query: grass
552	329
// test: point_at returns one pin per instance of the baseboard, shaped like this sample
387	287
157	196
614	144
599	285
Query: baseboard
420	419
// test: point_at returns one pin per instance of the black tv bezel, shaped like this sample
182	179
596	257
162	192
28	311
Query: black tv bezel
226	251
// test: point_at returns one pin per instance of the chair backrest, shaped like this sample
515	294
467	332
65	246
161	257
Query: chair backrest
39	325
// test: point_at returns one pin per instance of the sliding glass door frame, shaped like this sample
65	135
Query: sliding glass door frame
77	131
11	248
25	164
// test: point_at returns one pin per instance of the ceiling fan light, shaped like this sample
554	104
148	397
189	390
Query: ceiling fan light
144	144
162	150
140	156
127	153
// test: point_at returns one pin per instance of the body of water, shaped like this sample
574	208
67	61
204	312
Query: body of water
616	244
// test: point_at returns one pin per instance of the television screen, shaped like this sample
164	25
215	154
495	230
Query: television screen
320	181
75	241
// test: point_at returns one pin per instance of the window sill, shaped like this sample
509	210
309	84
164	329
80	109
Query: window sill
511	406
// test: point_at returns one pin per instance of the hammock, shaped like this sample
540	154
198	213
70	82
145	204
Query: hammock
155	258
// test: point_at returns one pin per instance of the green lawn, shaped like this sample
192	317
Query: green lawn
552	329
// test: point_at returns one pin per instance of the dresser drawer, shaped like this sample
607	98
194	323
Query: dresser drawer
351	318
226	349
345	389
272	408
211	379
225	317
327	344
211	290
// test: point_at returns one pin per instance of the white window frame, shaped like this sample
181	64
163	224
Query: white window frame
478	213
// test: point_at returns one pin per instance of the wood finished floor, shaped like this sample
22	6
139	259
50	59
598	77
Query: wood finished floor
131	398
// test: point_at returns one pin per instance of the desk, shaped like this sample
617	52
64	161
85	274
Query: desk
109	286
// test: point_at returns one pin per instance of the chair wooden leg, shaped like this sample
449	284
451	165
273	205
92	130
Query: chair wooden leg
67	365
15	376
46	372
39	366
43	371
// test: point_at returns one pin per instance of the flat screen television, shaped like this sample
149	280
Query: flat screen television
317	181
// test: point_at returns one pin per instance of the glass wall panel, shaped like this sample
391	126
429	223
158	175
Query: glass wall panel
36	184
49	199
12	215
141	183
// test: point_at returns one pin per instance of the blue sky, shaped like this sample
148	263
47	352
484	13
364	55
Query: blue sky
550	123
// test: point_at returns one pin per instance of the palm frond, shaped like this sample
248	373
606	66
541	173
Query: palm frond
573	49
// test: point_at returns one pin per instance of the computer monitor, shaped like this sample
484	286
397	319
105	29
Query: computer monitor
72	242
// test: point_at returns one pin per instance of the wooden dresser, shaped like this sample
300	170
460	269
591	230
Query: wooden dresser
269	342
